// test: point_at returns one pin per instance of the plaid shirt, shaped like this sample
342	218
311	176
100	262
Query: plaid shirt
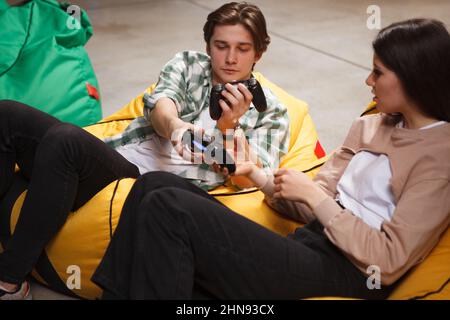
186	79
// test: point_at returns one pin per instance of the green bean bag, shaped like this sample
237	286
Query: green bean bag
43	62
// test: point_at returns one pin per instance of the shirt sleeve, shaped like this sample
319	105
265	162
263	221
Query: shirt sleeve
333	169
269	138
327	178
171	84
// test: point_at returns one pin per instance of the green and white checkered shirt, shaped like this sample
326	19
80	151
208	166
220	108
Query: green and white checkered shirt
186	79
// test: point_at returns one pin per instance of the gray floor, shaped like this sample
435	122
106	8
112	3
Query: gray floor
320	51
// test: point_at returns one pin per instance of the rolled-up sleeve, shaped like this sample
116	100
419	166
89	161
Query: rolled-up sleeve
171	84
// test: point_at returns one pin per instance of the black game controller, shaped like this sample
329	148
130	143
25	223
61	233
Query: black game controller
204	143
259	99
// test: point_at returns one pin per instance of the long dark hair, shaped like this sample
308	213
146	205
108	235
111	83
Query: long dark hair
418	52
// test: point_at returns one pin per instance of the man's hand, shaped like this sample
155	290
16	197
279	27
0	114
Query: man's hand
239	100
167	124
296	186
178	127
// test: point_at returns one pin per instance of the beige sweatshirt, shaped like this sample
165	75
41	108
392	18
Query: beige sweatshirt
420	164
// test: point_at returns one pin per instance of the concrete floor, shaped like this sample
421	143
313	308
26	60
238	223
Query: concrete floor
320	51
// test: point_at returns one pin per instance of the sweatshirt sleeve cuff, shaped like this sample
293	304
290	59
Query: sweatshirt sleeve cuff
326	211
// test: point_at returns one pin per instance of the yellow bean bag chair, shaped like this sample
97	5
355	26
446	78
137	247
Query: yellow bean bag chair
73	255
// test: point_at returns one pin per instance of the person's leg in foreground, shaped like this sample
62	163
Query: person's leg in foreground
178	242
65	166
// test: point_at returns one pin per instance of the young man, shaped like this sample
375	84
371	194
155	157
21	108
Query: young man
236	38
66	166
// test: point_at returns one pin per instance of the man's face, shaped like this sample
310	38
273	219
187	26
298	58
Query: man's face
232	53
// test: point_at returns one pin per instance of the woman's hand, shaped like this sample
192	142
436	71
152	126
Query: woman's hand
294	185
244	158
239	100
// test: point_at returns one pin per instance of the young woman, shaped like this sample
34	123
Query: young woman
67	166
379	204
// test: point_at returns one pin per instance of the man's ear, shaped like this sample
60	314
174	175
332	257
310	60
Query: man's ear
258	56
208	49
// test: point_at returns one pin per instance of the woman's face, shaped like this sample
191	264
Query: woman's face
387	89
232	53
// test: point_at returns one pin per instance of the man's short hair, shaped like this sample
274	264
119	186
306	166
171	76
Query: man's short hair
246	14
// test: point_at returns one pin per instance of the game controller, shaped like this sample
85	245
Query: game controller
204	143
259	99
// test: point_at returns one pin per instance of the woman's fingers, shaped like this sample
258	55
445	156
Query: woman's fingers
280	172
278	179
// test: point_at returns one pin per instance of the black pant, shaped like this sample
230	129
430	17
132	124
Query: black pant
65	165
174	241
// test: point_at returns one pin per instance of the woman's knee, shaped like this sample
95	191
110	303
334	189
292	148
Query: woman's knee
11	108
159	179
61	142
162	203
19	116
61	134
9	103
